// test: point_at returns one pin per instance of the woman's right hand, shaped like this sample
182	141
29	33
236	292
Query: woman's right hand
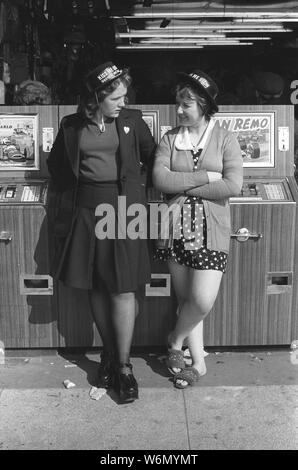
214	176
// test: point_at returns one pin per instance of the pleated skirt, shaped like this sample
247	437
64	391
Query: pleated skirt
118	264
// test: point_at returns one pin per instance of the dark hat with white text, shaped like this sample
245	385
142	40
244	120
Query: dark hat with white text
203	83
102	76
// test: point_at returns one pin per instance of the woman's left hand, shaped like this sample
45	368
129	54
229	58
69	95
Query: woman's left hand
214	176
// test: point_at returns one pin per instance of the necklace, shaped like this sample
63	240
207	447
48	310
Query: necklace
101	125
196	145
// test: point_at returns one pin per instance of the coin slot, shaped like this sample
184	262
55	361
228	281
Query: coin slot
279	283
35	284
160	285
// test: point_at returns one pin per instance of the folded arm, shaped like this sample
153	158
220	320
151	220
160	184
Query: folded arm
232	178
169	181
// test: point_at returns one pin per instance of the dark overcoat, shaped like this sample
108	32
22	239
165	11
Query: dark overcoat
136	148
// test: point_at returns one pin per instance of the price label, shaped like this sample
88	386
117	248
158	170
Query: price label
283	139
47	138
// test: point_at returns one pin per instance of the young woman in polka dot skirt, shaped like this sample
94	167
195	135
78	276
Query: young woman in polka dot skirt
198	166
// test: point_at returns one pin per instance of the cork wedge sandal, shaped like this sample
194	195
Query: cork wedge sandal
189	375
175	360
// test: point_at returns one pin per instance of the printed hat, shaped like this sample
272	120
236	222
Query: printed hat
269	83
102	76
204	83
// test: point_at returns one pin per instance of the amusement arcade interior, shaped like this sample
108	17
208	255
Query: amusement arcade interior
45	49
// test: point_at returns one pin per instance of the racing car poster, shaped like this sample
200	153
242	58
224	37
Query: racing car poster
18	142
255	134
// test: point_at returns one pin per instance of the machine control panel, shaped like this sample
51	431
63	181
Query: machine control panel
26	192
264	191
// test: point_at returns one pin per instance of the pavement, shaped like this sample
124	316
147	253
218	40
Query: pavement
248	400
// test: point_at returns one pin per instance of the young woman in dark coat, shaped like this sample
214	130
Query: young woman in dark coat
97	157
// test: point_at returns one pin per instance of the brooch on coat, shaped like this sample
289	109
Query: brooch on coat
126	129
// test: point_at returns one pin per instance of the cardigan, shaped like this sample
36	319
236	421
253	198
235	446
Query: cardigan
173	173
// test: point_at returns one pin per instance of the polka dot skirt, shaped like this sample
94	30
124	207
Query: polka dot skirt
197	258
197	255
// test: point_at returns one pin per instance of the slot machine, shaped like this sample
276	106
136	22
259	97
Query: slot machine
257	302
27	317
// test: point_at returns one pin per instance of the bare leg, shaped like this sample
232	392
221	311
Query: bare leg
195	340
179	276
137	309
203	290
196	348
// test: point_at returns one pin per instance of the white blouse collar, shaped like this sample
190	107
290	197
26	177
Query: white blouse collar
183	142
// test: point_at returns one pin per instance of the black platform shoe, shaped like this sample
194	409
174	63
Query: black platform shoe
125	384
106	370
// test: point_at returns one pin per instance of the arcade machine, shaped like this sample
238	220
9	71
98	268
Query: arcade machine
26	288
257	303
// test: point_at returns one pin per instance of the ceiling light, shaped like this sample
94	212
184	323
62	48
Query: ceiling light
196	32
177	46
216	26
177	41
159	47
193	39
264	20
223	43
250	38
161	13
255	30
166	34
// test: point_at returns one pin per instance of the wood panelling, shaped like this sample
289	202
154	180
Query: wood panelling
294	307
277	319
25	320
166	113
64	110
157	315
75	325
244	312
281	243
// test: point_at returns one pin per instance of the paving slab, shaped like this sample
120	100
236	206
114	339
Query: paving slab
247	400
68	419
243	417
